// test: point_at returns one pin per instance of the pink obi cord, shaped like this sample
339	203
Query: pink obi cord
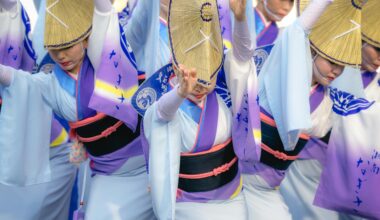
278	154
87	121
214	172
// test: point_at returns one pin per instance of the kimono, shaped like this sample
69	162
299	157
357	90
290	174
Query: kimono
266	32
108	78
274	121
351	173
303	178
182	186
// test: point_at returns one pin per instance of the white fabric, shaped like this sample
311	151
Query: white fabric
22	141
142	33
284	84
168	105
121	197
49	200
302	178
5	75
321	118
39	30
232	209
176	136
263	201
298	190
350	81
372	90
242	39
312	12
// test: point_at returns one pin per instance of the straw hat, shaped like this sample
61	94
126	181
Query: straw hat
337	35
195	36
371	23
67	22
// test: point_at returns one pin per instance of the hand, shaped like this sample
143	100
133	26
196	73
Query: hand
187	79
238	8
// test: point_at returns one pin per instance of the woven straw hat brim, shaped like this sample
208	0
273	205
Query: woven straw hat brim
371	23
337	35
189	22
67	22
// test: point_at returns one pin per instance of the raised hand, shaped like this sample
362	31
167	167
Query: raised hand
187	79
238	8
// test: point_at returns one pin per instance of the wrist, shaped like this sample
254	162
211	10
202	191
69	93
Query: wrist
181	93
240	18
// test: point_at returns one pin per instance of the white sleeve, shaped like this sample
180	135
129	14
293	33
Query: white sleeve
168	105
6	75
312	12
284	84
164	161
143	35
52	93
25	124
100	28
237	75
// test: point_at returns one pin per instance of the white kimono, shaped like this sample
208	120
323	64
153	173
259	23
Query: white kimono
301	182
40	93
168	139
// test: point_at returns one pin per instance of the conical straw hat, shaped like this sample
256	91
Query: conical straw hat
337	34
67	22
371	22
195	36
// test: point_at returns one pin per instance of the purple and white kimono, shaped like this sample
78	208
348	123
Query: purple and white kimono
176	129
266	32
302	179
108	78
351	173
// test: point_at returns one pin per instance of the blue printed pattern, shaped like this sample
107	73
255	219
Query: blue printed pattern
27	42
345	104
221	88
366	168
261	55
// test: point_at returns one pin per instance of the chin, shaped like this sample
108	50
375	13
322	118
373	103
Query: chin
67	68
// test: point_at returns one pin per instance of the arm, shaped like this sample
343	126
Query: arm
6	75
103	6
101	23
169	103
44	87
313	11
243	48
143	34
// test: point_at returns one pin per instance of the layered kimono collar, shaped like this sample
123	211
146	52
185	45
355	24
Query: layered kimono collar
16	48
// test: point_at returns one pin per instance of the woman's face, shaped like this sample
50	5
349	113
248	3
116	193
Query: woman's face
70	58
324	71
200	91
370	58
275	10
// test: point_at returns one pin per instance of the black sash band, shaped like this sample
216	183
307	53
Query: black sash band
272	139
117	139
205	163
